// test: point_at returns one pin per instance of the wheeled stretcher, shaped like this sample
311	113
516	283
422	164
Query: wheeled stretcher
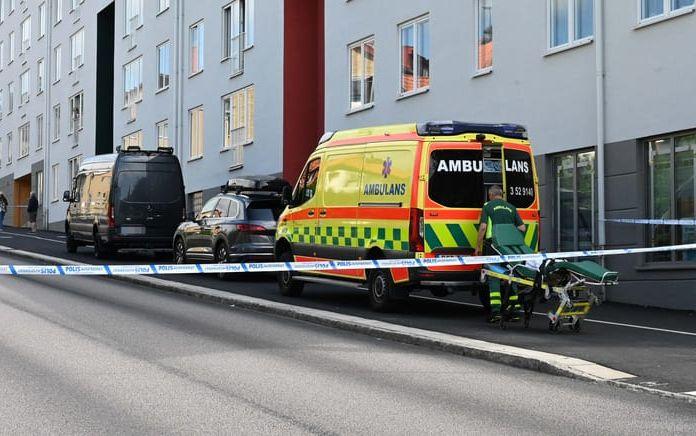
566	284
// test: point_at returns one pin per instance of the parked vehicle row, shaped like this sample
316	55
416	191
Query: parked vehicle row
404	191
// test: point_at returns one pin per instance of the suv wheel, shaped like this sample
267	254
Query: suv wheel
179	251
101	251
380	289
221	257
288	286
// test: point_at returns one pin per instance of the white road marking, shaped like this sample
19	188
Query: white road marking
33	236
596	321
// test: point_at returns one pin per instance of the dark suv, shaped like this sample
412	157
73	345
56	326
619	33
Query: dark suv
237	225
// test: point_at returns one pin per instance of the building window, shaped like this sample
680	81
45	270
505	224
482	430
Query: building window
362	73
40	186
56	122
24	140
12	47
42	19
162	134
77	105
197	132
25	29
133	82
650	9
39	132
238	117
574	215
40	76
163	5
238	31
163	66
57	12
415	55
55	182
9	147
484	34
10	97
2	52
197	48
77	49
671	175
134	15
2	103
570	21
57	60
24	87
12	5
73	168
134	139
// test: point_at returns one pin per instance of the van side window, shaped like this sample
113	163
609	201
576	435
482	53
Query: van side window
307	185
208	209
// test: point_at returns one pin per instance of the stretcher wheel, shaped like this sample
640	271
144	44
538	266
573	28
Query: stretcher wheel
527	319
577	326
553	326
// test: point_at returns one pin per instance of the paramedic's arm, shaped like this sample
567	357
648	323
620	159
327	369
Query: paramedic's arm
519	223
479	240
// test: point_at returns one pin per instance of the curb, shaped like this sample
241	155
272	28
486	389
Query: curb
539	361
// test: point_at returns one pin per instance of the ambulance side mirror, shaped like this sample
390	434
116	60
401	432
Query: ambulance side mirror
287	196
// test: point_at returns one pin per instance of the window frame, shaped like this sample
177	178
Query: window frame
572	31
56	113
363	104
57	11
667	12
57	63
161	46
199	26
249	113
416	90
22	30
24	135
200	149
162	125
55	179
128	15
137	97
135	136
80	45
478	70
41	11
39	131
162	5
10	140
72	127
40	75
24	94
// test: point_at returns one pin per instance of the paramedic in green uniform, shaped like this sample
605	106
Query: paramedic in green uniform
497	211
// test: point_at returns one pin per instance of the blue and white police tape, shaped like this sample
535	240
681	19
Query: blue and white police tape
657	222
124	270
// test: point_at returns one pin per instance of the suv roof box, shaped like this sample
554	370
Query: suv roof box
261	186
450	128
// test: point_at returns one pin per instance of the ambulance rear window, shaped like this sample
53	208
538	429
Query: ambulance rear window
519	178
456	178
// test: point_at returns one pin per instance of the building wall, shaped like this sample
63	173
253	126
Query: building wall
647	93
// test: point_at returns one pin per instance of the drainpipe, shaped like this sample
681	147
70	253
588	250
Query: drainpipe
48	61
179	81
599	67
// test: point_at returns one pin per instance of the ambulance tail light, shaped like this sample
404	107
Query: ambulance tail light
416	231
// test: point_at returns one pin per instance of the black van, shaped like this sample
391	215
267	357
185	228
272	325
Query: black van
130	199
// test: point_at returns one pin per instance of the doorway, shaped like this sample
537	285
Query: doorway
22	189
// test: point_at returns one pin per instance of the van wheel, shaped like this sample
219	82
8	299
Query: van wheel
221	257
179	251
381	288
101	251
70	243
288	286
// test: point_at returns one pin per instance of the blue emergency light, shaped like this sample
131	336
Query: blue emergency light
449	128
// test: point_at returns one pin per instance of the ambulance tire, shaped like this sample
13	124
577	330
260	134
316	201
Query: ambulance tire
286	284
381	291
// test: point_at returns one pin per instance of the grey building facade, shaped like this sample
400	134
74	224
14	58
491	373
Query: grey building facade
603	87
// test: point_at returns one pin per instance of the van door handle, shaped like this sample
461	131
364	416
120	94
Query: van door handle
310	212
322	212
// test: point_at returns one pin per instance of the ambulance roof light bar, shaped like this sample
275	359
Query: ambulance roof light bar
450	128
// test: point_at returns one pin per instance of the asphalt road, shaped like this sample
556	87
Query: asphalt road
658	346
83	355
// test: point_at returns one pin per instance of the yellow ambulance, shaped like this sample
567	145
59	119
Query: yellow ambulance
403	191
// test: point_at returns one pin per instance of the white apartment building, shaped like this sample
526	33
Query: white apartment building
605	88
207	78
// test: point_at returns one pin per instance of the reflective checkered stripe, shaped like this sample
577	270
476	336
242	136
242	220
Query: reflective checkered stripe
464	234
386	238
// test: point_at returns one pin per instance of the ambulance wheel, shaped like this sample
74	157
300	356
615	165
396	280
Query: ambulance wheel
288	286
380	288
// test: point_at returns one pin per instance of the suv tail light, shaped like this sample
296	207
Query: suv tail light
416	230
250	228
110	213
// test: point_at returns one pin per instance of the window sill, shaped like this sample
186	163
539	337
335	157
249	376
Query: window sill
569	46
359	109
55	200
162	11
161	90
55	140
236	74
482	72
56	82
236	167
195	158
57	22
192	75
664	17
413	93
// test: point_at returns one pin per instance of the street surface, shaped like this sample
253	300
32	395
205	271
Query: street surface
92	355
658	346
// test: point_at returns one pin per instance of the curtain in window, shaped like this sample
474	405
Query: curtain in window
559	22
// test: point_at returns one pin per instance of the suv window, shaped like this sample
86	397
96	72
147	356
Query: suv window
456	178
207	211
307	185
222	207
